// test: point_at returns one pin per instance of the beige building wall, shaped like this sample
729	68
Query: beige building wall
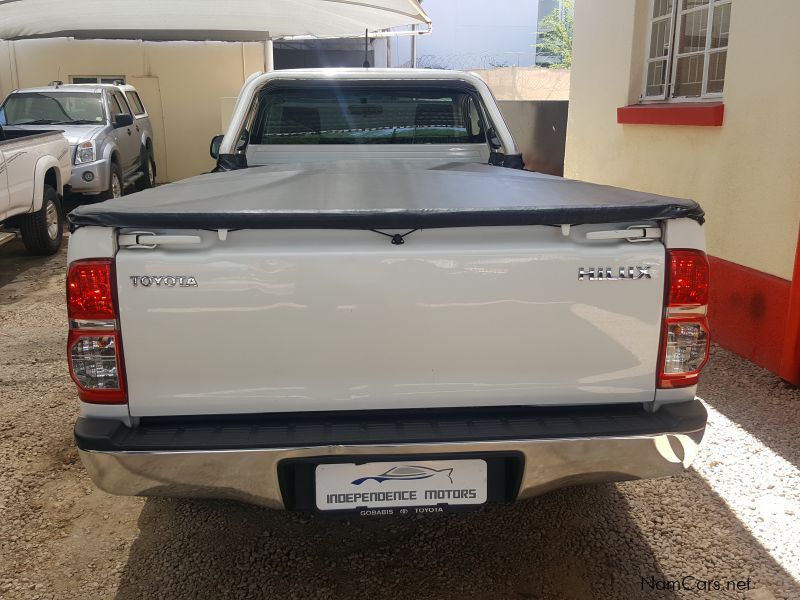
746	173
527	83
183	84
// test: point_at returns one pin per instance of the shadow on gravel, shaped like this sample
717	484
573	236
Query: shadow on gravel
719	545
756	400
576	543
15	260
73	201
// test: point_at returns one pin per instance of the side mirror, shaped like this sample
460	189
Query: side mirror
122	121
494	140
216	143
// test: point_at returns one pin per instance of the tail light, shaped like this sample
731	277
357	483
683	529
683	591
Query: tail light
685	340
688	278
94	346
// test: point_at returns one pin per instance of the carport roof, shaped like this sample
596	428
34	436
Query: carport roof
207	20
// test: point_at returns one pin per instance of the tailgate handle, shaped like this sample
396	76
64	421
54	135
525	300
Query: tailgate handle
151	240
632	234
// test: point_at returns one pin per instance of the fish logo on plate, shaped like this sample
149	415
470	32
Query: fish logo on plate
405	473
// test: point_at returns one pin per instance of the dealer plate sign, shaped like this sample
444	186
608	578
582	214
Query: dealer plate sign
398	484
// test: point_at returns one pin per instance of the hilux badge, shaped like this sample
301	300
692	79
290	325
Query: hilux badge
163	281
609	274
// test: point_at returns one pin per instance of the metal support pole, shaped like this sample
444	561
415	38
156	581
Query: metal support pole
12	55
414	47
269	55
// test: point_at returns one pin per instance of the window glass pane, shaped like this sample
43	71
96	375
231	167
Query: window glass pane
716	71
661	8
475	123
659	38
365	116
689	4
694	27
117	106
54	107
112	80
84	80
656	75
135	102
689	76
721	26
113	107
122	104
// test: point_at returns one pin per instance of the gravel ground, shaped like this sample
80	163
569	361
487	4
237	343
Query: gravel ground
733	517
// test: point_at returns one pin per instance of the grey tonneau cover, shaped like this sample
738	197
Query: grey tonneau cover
379	194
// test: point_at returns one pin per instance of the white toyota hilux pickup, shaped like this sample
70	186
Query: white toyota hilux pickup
371	308
34	166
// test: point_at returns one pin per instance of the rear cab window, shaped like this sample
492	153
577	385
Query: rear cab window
352	113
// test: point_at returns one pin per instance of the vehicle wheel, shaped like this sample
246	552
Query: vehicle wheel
43	230
149	169
116	188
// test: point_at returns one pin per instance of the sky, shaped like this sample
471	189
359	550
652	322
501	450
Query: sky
476	31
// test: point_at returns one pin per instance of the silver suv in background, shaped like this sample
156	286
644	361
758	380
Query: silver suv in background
108	128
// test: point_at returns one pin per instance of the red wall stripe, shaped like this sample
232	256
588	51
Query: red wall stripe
709	114
748	312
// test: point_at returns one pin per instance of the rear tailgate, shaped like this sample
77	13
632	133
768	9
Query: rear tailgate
316	319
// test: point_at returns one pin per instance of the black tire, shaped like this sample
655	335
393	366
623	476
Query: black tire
148	167
43	231
110	192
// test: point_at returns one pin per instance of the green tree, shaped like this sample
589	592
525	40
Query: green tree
555	34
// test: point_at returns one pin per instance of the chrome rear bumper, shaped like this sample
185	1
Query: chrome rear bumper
252	475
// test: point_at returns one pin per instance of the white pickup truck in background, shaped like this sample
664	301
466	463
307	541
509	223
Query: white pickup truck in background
33	169
366	310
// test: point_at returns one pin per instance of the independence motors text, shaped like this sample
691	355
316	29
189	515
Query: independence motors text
399	496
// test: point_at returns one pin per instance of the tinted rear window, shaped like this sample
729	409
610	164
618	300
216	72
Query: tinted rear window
367	116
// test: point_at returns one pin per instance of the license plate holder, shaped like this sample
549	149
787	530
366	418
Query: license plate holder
297	478
401	484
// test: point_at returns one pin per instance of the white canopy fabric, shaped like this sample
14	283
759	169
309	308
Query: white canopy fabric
203	20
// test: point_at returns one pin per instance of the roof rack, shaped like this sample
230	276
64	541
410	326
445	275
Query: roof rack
57	83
